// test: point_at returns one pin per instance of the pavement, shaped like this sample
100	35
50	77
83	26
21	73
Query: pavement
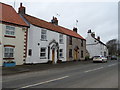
67	75
38	67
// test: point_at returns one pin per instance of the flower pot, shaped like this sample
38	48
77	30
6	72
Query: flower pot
9	64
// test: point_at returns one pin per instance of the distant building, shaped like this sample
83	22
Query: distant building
12	36
47	41
95	46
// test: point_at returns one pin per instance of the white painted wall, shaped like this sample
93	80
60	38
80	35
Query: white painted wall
18	42
1	31
97	49
34	37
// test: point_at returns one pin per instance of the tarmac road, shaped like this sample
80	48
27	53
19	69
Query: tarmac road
89	75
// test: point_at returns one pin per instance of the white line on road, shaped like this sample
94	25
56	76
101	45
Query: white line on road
93	69
112	65
44	82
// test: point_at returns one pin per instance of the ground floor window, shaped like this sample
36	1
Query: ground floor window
30	52
81	54
43	52
61	52
70	53
8	52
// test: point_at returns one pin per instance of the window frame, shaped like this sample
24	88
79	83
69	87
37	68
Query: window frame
61	52
9	52
41	52
43	35
70	53
9	30
61	38
70	40
82	56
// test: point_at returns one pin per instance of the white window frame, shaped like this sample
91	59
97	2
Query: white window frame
61	53
43	34
10	30
61	38
9	50
41	52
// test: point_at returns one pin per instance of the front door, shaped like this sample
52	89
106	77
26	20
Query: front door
75	55
53	55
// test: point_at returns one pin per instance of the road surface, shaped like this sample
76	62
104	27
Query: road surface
89	75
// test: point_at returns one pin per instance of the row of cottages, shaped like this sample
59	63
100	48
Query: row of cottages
27	39
47	41
12	36
95	46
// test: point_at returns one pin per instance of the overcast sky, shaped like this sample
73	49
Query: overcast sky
100	17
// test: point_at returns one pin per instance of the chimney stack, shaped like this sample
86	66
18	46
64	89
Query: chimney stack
89	31
21	9
98	38
93	34
75	29
54	21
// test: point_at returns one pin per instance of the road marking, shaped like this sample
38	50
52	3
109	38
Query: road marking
112	65
43	82
93	69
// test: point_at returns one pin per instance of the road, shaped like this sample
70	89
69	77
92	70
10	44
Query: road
89	75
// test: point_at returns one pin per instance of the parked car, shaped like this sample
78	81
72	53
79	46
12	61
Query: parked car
113	57
99	58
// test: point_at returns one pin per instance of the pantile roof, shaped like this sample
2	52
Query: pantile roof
44	24
9	15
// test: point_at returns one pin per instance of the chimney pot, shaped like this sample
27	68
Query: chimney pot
75	29
21	9
54	21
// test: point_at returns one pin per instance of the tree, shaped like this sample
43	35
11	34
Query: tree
113	47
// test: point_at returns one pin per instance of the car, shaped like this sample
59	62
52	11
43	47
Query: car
99	58
113	58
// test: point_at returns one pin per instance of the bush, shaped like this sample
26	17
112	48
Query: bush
87	58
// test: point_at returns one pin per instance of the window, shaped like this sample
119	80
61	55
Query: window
61	38
10	30
70	40
43	34
8	52
61	52
70	53
30	52
81	54
81	43
43	52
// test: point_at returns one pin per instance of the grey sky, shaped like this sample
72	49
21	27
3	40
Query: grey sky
100	17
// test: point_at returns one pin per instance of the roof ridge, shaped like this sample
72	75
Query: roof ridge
66	31
6	4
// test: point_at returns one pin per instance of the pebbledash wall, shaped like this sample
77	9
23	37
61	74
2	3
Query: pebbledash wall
18	42
35	43
76	42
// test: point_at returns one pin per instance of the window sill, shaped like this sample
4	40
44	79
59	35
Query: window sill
43	58
61	57
61	43
9	58
9	36
43	40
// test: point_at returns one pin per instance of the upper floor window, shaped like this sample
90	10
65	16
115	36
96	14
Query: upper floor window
81	43
70	40
10	30
43	34
8	52
61	38
61	52
43	52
